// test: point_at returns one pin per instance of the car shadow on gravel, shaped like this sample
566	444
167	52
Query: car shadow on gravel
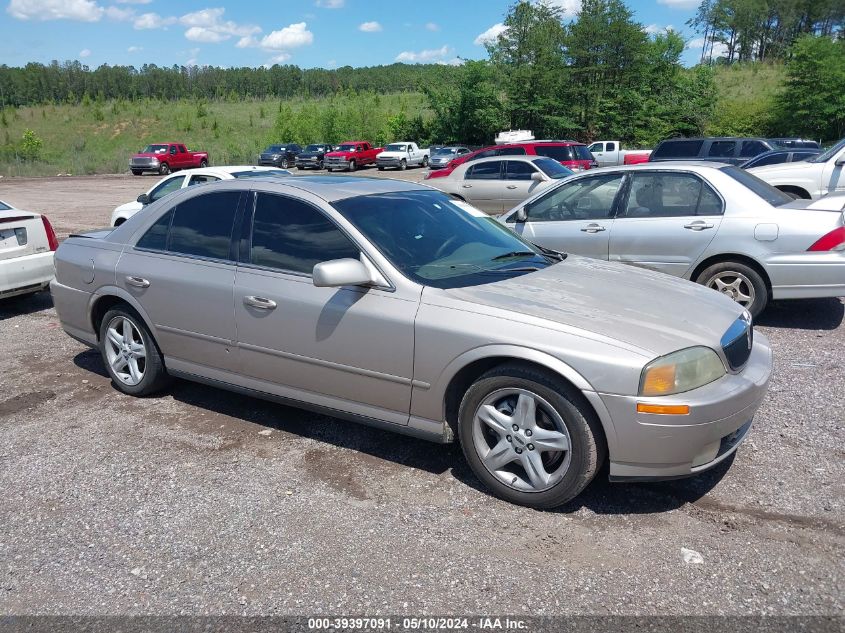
27	304
806	314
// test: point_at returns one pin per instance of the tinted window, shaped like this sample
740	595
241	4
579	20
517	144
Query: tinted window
595	147
201	180
721	149
260	173
517	170
678	149
290	235
490	170
156	236
168	186
485	154
558	152
611	147
510	151
803	155
774	197
769	159
752	148
552	168
582	152
584	199
202	226
665	195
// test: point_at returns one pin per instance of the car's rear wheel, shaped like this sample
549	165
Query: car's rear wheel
203	164
738	281
164	169
425	161
403	165
530	437
352	165
130	354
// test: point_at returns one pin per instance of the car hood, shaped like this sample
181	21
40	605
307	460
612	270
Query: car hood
340	154
798	168
644	309
310	154
148	155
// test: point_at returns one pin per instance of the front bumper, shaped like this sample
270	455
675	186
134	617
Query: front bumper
336	163
22	275
654	447
144	164
312	161
388	162
269	162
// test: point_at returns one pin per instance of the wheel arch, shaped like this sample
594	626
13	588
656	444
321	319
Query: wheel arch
799	191
733	257
467	368
108	297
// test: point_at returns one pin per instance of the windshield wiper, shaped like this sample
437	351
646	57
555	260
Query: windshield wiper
513	254
552	253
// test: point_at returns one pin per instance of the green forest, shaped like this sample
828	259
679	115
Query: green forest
768	67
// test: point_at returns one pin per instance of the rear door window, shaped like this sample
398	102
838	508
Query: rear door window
678	149
490	170
202	226
670	195
198	179
752	148
518	170
721	149
155	238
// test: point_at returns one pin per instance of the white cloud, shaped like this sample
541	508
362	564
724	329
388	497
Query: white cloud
85	52
248	42
80	10
719	49
330	4
279	59
134	49
568	8
121	15
680	4
133	1
291	36
432	26
152	21
194	53
207	25
653	29
490	35
202	34
425	56
370	27
455	61
332	63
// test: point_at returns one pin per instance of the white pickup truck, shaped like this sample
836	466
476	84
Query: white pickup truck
402	155
610	154
811	178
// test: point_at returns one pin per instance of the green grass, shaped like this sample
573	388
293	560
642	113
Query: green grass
745	99
96	137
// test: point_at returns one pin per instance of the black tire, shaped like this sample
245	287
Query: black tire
320	165
300	167
352	165
727	271
155	375
588	447
137	172
425	161
329	169
283	164
164	169
380	168
403	165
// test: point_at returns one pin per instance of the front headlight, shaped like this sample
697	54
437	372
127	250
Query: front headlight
154	161
681	371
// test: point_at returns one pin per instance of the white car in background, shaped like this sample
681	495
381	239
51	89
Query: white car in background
189	178
811	178
27	243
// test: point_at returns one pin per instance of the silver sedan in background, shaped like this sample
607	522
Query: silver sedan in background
714	224
496	184
388	303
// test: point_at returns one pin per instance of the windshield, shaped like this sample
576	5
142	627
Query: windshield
826	156
443	151
346	148
774	197
275	148
395	147
314	148
258	173
154	149
552	168
436	243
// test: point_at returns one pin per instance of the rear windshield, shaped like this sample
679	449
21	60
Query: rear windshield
678	149
258	173
552	168
564	152
774	197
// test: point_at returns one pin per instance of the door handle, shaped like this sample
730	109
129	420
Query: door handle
593	228
138	282
467	186
260	302
511	187
698	225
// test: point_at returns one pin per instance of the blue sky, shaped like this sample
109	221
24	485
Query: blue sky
308	33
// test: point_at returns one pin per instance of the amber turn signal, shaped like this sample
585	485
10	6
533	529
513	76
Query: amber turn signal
663	409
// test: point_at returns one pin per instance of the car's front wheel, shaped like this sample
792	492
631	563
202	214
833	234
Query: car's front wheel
284	163
164	169
130	354
529	437
738	281
136	172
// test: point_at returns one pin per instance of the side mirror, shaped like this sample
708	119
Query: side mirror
522	214
840	162
144	198
341	272
538	177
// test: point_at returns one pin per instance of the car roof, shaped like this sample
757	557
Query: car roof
332	188
715	138
225	169
662	165
523	158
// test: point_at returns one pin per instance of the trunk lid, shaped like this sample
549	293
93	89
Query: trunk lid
21	233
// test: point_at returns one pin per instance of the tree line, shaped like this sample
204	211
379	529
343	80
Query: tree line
763	30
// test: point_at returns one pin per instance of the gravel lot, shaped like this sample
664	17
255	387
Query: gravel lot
202	502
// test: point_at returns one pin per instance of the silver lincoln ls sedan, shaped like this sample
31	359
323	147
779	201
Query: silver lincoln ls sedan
388	303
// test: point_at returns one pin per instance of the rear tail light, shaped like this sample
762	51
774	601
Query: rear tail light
833	241
51	234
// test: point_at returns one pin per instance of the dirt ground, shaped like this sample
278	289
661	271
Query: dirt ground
198	501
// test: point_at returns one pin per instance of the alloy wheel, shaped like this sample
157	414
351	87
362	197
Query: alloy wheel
522	440
735	285
125	351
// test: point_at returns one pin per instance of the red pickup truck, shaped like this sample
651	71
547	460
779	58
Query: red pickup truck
163	158
351	155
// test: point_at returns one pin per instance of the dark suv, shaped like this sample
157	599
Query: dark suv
282	155
312	156
730	150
